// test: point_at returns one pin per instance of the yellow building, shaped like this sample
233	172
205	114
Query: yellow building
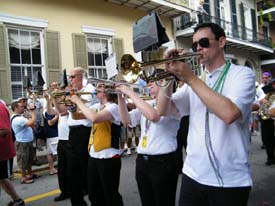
48	36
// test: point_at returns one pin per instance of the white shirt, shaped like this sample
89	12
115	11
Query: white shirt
63	127
110	152
230	142
90	101
161	135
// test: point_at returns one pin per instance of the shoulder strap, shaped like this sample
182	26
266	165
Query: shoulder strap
17	115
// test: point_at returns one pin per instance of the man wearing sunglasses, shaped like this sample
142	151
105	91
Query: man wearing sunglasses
216	169
79	133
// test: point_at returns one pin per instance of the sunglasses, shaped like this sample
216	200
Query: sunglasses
203	42
73	76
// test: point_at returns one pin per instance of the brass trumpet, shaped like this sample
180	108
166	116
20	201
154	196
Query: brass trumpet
131	69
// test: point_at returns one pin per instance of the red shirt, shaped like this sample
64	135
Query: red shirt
7	149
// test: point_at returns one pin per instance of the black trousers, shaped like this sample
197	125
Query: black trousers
156	178
63	162
78	163
195	194
267	132
103	181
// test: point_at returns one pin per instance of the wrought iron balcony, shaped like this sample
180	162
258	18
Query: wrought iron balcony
238	34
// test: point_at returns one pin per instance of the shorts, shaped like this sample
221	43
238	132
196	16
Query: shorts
52	145
24	154
5	169
133	132
122	134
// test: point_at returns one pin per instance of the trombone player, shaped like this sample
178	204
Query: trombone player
220	103
79	133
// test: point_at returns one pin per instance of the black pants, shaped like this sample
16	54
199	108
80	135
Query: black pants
103	182
195	194
156	178
267	132
63	162
78	163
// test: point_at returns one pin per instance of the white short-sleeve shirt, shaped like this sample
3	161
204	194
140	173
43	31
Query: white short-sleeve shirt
230	142
161	135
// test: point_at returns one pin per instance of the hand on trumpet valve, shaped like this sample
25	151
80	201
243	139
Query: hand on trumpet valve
181	69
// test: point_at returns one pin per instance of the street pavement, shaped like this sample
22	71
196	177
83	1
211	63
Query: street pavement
45	188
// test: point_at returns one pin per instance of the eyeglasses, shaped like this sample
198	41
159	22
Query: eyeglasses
73	76
203	42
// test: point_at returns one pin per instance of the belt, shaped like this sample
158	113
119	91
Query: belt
157	157
78	127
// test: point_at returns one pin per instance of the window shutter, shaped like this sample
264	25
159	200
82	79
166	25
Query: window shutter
5	89
234	19
254	25
242	21
53	60
80	51
217	11
118	49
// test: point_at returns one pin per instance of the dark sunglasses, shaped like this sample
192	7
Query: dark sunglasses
73	76
203	42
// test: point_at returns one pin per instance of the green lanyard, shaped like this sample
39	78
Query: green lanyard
218	86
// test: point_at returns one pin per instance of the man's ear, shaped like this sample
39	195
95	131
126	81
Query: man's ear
222	41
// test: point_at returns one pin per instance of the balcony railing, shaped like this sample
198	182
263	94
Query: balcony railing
231	30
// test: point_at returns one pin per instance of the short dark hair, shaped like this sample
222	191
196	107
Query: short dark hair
14	105
215	28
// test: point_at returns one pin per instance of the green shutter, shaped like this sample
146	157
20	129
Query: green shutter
5	87
53	60
80	51
118	49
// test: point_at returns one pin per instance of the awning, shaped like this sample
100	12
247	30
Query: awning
165	8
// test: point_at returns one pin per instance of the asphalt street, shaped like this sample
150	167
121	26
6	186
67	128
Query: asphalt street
45	188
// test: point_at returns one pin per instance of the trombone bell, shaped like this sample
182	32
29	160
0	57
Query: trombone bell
132	69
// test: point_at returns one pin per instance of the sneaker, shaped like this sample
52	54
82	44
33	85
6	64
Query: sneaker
19	202
129	151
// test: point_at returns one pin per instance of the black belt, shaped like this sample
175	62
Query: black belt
78	127
157	157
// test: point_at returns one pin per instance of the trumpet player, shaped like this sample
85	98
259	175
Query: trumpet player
216	169
156	163
104	154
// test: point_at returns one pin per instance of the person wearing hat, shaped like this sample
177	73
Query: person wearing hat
267	125
22	128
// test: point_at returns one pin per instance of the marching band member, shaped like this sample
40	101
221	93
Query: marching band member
105	156
156	163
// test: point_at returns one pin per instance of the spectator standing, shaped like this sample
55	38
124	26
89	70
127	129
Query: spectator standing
7	151
22	128
51	131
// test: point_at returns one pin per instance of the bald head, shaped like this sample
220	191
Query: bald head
76	77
